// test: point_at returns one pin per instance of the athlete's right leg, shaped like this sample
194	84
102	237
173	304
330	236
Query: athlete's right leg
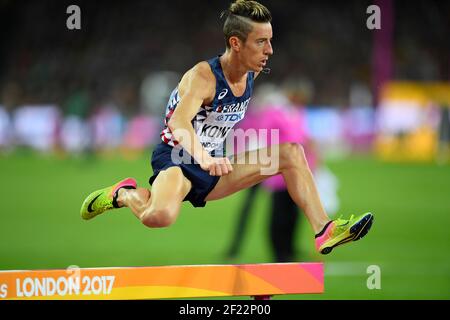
159	207
300	184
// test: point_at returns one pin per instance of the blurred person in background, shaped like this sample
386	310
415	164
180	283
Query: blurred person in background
280	109
10	98
76	130
201	111
443	154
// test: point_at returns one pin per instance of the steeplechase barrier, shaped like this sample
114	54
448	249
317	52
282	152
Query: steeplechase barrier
260	281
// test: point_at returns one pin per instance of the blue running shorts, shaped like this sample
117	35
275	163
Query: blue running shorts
202	182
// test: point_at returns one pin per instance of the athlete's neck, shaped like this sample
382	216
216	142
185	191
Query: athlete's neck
233	70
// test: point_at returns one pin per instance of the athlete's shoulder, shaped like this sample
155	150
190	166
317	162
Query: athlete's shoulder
200	73
199	79
203	70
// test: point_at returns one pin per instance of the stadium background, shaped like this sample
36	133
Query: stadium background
81	108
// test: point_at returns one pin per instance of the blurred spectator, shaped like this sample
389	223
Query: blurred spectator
443	155
129	54
327	42
5	128
76	135
155	89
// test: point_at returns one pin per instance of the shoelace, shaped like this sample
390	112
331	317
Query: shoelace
339	221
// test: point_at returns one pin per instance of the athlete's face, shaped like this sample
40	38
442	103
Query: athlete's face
258	47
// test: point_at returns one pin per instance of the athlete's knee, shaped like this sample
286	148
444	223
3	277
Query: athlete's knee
292	154
159	218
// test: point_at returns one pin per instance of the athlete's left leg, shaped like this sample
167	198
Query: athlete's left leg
156	208
160	206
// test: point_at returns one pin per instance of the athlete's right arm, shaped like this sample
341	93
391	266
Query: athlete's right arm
196	87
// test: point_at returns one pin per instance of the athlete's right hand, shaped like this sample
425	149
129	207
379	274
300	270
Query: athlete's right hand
217	166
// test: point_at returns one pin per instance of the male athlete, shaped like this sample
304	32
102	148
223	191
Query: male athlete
201	111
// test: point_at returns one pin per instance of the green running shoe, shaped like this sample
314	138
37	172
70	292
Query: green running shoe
340	231
104	199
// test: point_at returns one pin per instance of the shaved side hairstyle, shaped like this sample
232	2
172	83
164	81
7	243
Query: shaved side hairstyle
238	18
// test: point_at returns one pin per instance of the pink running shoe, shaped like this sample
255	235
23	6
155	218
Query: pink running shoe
340	231
104	199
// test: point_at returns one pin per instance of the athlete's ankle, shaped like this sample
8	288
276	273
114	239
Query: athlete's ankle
122	195
323	228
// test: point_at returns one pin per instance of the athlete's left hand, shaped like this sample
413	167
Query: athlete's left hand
220	167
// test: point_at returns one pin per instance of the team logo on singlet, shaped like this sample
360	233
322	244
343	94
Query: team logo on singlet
222	94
